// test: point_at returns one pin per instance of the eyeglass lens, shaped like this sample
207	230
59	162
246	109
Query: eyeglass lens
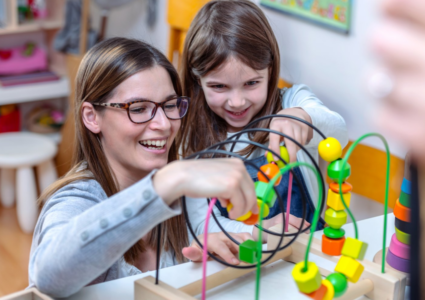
173	109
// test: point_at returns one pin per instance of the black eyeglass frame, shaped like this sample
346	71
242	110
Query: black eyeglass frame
127	105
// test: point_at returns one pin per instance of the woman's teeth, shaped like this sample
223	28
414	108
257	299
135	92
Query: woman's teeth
154	144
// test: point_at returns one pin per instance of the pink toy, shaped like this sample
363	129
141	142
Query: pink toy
18	63
398	248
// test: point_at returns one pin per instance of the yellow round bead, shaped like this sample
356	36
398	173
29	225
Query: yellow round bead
241	218
308	281
330	149
266	209
283	153
331	291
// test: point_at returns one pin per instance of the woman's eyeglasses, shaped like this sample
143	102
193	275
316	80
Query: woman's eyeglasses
142	111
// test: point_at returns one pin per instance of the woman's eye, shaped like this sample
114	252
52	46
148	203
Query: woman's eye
138	110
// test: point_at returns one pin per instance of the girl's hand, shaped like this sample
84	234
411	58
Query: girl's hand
278	219
224	178
297	130
219	244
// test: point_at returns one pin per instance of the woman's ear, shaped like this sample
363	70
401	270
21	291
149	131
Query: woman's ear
90	117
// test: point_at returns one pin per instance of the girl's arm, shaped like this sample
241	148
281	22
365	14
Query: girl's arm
300	101
81	233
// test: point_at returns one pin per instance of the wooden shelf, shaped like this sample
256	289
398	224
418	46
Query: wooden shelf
33	26
34	92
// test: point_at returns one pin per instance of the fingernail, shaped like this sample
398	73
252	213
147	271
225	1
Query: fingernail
235	261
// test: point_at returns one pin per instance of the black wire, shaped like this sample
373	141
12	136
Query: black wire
158	253
288	117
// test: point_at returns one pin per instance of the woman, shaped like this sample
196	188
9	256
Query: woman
97	222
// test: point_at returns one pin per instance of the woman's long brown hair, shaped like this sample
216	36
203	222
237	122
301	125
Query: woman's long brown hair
224	29
102	69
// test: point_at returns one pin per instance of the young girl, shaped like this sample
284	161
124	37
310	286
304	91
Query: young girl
98	221
231	70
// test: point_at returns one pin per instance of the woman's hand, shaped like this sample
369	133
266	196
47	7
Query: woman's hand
224	178
219	244
400	42
295	129
278	219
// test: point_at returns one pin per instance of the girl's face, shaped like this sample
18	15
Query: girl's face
133	150
236	92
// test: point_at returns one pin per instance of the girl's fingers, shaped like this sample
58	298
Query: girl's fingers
291	146
274	140
296	222
222	250
193	253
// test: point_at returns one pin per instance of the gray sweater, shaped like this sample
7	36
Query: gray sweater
81	234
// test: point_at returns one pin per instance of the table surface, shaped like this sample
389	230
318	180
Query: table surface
276	280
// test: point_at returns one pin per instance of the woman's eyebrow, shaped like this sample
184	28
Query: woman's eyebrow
132	99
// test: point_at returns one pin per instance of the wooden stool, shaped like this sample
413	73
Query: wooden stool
21	151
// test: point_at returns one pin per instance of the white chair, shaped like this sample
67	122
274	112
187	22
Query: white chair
21	151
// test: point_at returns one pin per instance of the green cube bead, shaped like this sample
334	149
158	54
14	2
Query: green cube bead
260	190
248	252
404	199
335	169
333	233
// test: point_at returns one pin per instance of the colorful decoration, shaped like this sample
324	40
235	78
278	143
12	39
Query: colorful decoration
308	280
333	14
350	268
339	282
248	252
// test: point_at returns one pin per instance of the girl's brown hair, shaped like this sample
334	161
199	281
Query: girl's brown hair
224	29
102	69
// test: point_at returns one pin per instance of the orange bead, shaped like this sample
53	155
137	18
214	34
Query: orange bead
318	294
252	220
346	187
271	170
401	212
332	247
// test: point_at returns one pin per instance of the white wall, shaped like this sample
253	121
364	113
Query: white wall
332	64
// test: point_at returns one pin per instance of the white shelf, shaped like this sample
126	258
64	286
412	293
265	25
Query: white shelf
34	92
32	26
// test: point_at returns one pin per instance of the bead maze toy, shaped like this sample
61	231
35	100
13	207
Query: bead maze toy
352	277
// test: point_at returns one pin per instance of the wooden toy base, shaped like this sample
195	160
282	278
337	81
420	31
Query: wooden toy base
372	283
30	294
378	259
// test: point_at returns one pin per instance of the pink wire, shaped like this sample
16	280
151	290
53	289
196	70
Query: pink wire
205	250
288	202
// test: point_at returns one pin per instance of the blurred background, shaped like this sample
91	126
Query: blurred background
323	44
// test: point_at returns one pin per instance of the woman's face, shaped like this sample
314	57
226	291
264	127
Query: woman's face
236	92
132	149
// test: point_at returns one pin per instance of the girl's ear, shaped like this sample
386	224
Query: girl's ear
90	117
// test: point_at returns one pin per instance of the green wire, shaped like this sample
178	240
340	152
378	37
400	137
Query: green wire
259	253
387	184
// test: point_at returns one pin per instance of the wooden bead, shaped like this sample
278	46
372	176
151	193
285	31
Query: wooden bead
346	187
330	149
260	190
252	220
401	212
334	233
241	218
266	209
402	226
334	200
332	247
404	199
339	282
335	169
248	251
308	281
318	294
271	170
354	248
330	293
398	263
349	267
398	248
406	186
335	219
402	236
284	154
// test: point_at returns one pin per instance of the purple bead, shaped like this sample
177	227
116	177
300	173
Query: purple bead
398	263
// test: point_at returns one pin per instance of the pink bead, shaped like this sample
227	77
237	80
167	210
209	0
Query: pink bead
398	248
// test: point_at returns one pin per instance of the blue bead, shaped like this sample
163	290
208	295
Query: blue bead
406	186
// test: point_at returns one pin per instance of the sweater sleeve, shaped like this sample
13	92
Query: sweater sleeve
327	121
197	211
81	233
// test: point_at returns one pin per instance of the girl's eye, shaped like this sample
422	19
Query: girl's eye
218	86
250	83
